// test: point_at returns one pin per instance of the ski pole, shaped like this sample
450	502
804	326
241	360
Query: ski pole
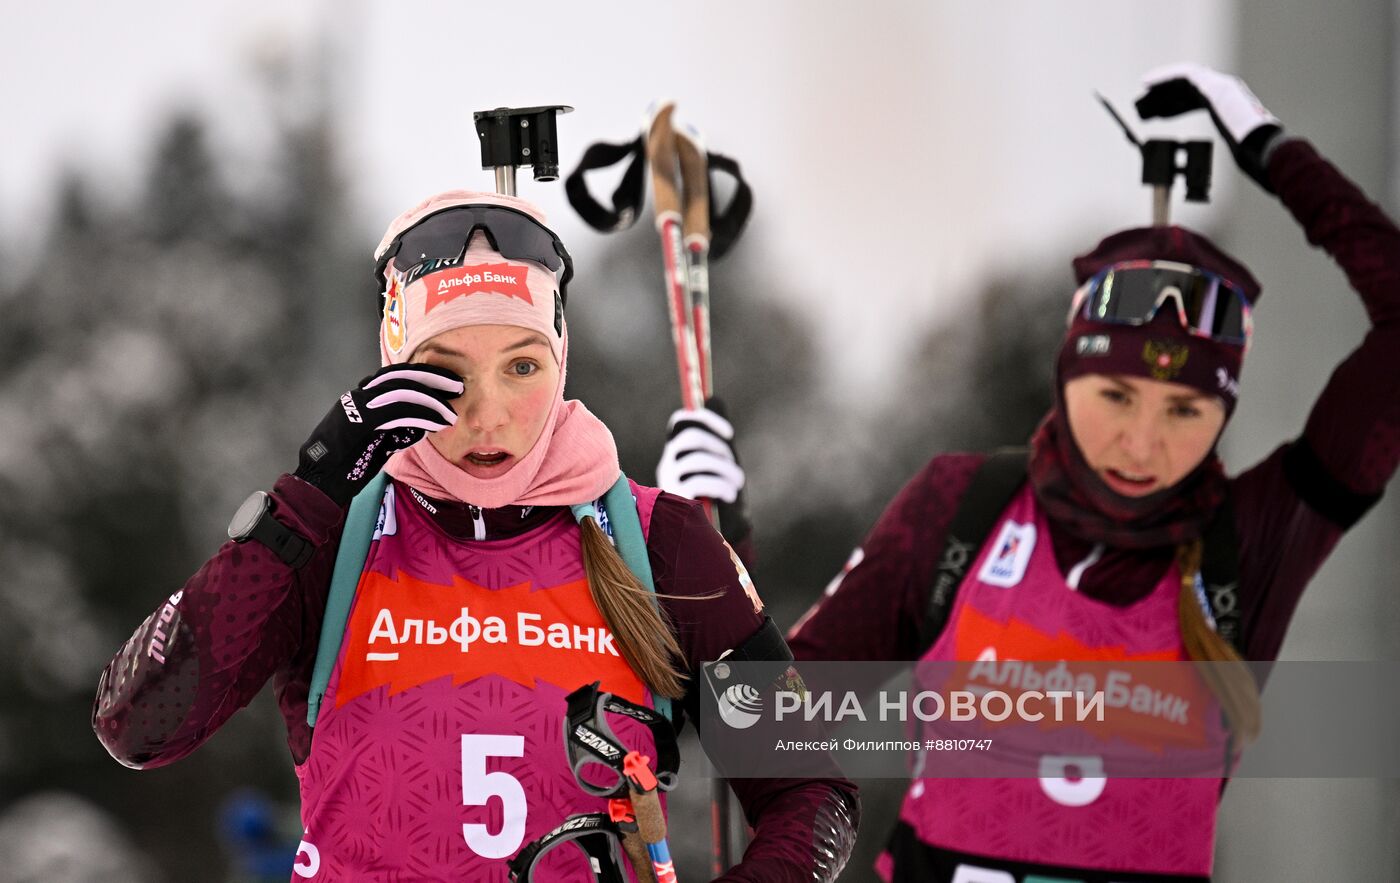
589	742
683	221
661	153
691	232
651	823
695	228
625	817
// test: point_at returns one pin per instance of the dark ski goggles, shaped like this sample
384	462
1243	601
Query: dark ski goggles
1207	304
440	240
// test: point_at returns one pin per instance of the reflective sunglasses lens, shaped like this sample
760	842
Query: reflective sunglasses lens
1128	296
444	237
1229	321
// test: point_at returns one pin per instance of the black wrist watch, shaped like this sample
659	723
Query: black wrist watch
254	521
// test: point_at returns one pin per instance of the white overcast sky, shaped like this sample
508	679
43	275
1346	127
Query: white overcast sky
898	150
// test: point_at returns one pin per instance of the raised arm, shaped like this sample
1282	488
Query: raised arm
1353	431
1293	507
1348	450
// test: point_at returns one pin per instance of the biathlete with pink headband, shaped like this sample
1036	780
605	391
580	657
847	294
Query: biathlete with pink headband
490	589
1094	550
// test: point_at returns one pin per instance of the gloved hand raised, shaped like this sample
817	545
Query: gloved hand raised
699	462
1245	124
390	410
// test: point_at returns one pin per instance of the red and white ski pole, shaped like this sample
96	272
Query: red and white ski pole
695	230
677	170
691	232
661	155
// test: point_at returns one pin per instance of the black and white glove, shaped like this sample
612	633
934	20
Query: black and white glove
1245	124
699	462
390	410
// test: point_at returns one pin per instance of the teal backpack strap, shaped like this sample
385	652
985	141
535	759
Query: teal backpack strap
355	539
620	520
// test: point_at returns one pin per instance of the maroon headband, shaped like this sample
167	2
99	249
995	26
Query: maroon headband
1161	349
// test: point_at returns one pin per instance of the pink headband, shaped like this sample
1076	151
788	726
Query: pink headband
483	289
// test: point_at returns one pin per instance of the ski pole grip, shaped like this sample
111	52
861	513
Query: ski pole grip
621	812
646	805
695	180
651	824
661	153
637	854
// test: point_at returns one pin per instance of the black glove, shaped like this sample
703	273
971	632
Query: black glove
1247	127
699	462
390	410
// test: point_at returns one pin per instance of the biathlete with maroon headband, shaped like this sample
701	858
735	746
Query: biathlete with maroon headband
1100	544
489	591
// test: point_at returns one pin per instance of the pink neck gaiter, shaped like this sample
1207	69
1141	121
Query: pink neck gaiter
573	461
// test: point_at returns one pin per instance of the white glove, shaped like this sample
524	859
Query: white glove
1245	124
698	460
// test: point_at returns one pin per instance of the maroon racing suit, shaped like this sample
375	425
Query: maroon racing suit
246	617
1289	510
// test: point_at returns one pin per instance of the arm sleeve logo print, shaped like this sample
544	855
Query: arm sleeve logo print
745	580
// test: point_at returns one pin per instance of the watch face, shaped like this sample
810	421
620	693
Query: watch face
247	515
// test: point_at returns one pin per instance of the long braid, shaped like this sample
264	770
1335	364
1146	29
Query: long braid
1227	675
644	637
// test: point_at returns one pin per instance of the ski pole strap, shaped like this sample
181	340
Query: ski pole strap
626	199
594	834
361	523
725	226
589	741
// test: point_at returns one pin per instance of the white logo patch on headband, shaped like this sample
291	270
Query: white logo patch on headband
1091	345
507	279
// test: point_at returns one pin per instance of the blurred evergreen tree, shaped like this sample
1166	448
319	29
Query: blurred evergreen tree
161	356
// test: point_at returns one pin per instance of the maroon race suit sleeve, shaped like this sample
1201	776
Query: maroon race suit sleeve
243	618
799	824
1293	506
874	608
